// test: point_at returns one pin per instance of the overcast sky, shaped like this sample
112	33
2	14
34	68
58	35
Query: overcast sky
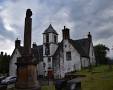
80	16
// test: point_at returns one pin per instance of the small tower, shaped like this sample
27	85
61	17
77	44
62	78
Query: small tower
50	44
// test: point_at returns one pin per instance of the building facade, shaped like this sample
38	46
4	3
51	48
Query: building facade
57	58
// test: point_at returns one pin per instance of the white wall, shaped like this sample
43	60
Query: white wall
66	66
45	60
92	55
85	61
53	46
40	68
51	37
12	66
75	62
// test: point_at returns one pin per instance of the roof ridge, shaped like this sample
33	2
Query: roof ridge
80	39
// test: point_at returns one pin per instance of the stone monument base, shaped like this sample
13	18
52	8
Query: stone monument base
26	74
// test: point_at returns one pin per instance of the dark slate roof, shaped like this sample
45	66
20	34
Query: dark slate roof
84	44
50	29
78	47
38	51
21	49
81	45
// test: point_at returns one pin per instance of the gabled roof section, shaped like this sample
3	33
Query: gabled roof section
21	50
78	47
38	51
50	29
85	44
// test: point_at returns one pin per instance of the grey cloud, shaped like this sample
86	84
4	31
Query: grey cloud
5	33
104	34
80	16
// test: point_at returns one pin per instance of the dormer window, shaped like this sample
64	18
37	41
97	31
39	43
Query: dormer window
47	37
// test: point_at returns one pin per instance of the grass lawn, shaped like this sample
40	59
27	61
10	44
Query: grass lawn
48	88
99	79
102	80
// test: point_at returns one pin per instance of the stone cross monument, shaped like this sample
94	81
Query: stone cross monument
27	32
26	65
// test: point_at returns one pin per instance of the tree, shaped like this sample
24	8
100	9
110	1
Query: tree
4	64
100	53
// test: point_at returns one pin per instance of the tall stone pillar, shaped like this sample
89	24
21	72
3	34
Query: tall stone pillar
27	32
26	65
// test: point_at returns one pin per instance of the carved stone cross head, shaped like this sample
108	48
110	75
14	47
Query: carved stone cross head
28	13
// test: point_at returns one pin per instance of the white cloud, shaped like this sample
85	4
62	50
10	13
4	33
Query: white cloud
7	46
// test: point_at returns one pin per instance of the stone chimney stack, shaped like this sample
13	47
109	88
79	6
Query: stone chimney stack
34	45
17	43
89	37
65	33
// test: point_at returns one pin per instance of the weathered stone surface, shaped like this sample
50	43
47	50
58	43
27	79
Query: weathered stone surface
27	59
26	64
26	73
27	36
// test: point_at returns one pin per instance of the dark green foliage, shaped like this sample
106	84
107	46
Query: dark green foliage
4	64
100	53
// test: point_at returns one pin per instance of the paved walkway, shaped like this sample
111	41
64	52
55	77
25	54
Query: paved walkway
45	82
78	79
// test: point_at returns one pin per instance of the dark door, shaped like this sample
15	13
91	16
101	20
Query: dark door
49	74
